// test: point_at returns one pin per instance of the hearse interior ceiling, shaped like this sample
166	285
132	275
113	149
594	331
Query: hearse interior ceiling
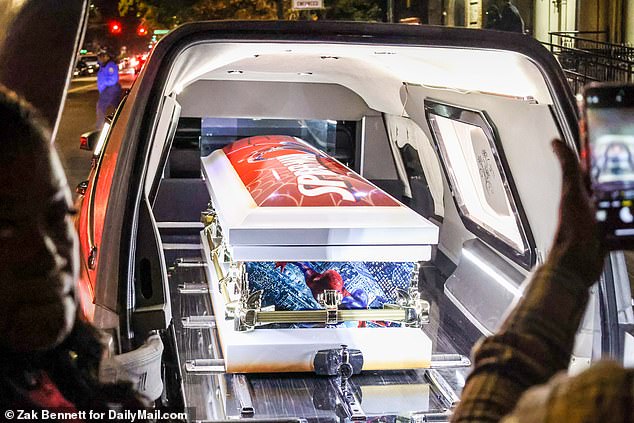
505	73
526	145
264	99
227	79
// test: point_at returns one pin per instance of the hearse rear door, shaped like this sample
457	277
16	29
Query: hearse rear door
39	42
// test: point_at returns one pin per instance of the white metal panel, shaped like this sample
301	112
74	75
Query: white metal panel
165	127
391	253
269	99
405	131
530	157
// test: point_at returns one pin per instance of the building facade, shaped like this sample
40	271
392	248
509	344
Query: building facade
606	20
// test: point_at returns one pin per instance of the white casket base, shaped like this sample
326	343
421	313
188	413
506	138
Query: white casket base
293	350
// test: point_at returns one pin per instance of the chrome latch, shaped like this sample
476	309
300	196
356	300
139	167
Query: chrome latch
246	315
349	401
342	362
416	309
330	300
92	257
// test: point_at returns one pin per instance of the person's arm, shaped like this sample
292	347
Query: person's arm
603	393
537	338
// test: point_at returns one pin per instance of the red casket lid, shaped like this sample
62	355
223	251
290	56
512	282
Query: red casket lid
279	198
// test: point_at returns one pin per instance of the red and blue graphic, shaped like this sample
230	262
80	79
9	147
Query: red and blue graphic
283	171
296	285
330	279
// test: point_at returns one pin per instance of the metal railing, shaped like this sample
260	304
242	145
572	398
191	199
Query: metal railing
586	57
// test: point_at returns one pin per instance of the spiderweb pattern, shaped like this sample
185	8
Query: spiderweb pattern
286	288
272	184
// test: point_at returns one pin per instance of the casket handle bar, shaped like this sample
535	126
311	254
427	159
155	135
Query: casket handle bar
222	279
208	217
217	251
411	313
249	318
246	315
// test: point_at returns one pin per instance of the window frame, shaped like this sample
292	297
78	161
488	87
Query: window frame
351	161
110	120
479	118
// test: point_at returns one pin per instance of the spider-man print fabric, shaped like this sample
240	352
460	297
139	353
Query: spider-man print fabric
296	285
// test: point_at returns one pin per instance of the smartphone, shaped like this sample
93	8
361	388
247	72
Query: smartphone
607	131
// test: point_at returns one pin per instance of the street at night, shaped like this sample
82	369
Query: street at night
78	117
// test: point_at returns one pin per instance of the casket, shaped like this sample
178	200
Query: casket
304	255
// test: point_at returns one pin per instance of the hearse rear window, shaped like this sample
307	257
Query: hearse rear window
474	165
335	138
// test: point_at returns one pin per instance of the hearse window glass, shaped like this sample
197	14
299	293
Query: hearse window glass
332	137
473	163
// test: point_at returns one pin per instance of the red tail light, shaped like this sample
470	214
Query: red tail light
83	143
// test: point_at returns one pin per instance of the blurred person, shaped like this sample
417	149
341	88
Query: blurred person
492	16
108	85
49	355
519	373
510	18
617	159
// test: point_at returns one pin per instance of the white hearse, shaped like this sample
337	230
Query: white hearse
445	134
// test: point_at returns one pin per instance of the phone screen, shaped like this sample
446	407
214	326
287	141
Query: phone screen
609	122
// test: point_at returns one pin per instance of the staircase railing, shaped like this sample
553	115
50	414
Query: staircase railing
585	57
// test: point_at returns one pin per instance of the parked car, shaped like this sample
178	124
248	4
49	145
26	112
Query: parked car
80	69
87	65
454	123
137	62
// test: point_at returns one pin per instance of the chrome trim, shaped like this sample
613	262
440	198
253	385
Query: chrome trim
362	145
198	322
442	417
445	361
189	262
179	225
484	283
348	399
182	246
480	119
622	287
447	394
241	389
205	366
193	288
